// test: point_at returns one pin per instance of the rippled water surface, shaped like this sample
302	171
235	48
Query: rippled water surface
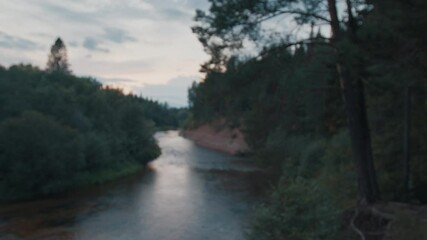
188	193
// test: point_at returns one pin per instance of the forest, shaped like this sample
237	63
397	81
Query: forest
330	97
59	131
338	118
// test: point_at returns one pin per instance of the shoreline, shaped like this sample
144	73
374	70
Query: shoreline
218	137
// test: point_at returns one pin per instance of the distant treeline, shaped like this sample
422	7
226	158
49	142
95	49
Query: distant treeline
58	130
320	110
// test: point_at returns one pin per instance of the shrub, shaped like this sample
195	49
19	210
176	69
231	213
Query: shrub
338	173
299	210
38	155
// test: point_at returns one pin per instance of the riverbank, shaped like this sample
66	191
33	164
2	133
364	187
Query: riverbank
81	180
217	136
188	193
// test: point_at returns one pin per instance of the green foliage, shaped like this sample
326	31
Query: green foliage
324	159
289	106
299	210
318	184
57	60
288	100
272	89
337	169
38	154
108	174
58	130
231	23
310	162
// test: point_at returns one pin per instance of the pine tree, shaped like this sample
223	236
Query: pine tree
57	60
229	24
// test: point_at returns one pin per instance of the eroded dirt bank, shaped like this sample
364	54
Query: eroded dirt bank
218	137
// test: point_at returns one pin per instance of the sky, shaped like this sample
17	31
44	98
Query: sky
142	46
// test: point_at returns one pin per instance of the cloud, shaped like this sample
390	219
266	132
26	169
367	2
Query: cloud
115	35
66	13
73	43
13	42
175	14
147	41
93	12
113	81
173	92
114	68
195	4
93	45
118	35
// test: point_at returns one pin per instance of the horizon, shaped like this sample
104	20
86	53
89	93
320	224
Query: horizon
143	47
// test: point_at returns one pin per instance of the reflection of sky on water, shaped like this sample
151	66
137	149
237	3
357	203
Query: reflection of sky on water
187	193
179	198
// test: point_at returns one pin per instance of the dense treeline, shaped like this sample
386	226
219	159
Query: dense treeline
302	106
58	130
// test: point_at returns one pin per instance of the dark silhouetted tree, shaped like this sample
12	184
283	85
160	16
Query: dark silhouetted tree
229	24
57	60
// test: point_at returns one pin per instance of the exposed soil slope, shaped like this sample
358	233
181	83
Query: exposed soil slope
218	137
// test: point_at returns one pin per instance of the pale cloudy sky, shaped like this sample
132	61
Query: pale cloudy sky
143	46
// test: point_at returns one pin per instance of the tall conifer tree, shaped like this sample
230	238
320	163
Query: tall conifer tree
57	60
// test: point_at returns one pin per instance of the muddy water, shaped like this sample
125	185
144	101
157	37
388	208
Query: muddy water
187	193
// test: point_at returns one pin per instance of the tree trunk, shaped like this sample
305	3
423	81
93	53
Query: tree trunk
406	143
351	25
354	100
335	23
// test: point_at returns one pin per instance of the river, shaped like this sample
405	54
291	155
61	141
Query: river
187	193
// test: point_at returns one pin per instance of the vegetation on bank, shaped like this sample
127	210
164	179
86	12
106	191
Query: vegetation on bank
58	130
332	115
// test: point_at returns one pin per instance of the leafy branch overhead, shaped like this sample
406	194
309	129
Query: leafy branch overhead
230	23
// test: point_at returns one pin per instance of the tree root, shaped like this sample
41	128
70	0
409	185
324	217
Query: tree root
353	225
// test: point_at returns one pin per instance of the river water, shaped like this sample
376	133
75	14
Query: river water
187	193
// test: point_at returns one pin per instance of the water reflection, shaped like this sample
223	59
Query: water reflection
188	193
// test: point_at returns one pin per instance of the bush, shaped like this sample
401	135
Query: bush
38	155
311	159
96	151
58	131
299	210
318	180
338	173
296	155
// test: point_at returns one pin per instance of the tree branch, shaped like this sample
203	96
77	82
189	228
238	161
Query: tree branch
292	44
295	12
